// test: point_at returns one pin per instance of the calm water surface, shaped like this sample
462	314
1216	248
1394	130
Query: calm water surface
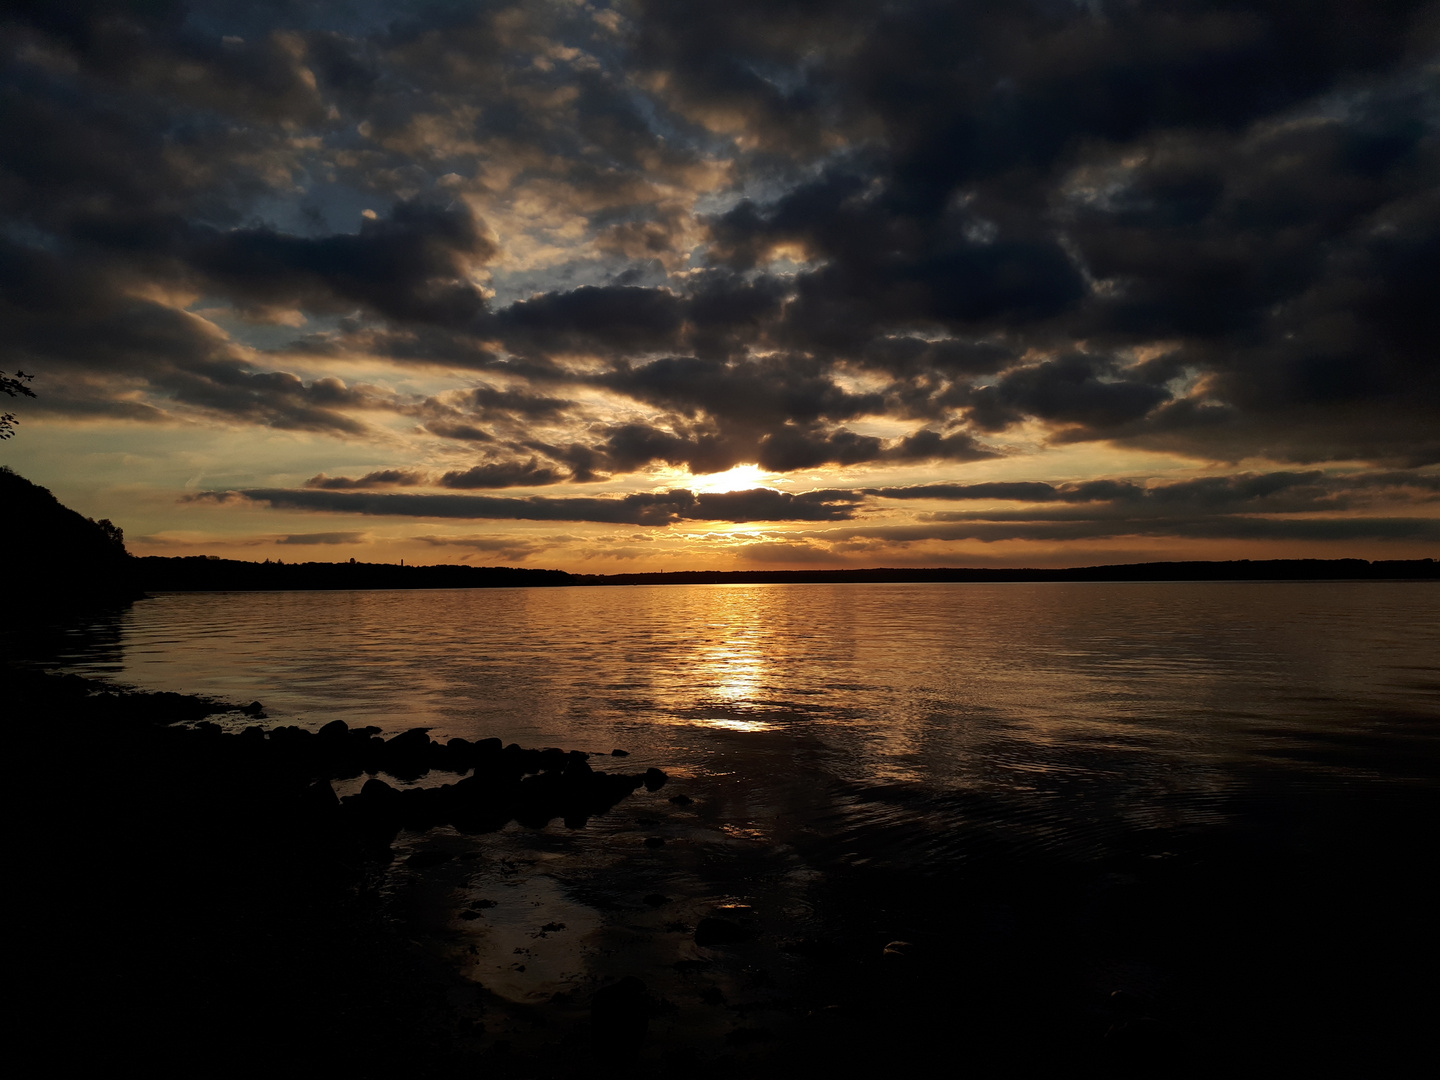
837	739
1150	698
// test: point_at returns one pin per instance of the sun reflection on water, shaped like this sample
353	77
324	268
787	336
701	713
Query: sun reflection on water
730	663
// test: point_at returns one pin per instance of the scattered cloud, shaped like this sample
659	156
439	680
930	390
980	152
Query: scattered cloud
905	251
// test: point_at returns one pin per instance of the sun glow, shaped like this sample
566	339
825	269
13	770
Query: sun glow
740	478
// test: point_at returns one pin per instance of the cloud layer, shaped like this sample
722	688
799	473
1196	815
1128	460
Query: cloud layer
545	245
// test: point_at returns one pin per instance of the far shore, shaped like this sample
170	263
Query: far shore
156	573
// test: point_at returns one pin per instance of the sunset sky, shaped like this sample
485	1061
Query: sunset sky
732	285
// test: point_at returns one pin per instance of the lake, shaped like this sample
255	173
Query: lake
1038	748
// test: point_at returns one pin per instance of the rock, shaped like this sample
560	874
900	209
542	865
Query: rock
440	756
712	932
254	709
417	738
681	800
619	753
1141	1045
461	755
1126	1003
319	800
654	779
420	808
619	1018
378	791
406	756
376	813
430	857
654	841
899	949
748	1036
656	899
809	948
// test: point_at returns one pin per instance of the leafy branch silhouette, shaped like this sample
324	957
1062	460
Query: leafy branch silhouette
13	386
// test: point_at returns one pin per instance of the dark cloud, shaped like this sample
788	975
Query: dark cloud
608	319
1277	492
1025	491
928	445
1209	229
908	354
507	547
1245	506
756	393
323	538
884	275
458	430
94	343
764	504
377	479
1216	527
632	446
502	474
488	401
1072	389
1295	505
409	267
641	508
794	447
276	398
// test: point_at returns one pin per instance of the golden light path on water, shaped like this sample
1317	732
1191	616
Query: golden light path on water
733	667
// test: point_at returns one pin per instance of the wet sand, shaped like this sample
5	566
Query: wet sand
200	908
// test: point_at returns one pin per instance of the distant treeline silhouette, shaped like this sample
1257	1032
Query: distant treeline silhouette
201	572
198	572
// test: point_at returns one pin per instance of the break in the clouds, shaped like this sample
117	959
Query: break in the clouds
1116	265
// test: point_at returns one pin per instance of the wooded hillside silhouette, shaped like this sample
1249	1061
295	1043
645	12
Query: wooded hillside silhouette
56	558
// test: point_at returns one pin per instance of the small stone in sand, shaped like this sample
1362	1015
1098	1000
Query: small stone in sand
713	932
619	1018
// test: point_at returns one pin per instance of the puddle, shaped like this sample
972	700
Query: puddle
525	937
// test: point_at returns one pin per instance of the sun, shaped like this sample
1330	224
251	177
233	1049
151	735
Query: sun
740	478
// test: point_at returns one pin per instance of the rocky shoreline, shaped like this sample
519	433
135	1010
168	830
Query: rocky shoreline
201	902
197	900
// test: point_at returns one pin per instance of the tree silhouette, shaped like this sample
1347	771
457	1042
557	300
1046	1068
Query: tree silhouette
13	386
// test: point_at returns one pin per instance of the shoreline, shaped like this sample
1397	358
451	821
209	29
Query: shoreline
206	573
203	909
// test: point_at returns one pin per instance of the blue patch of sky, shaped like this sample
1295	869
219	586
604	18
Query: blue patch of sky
24	234
323	209
571	275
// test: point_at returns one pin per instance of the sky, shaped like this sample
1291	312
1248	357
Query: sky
634	286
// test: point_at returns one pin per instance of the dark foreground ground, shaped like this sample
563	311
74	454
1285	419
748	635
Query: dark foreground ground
198	903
